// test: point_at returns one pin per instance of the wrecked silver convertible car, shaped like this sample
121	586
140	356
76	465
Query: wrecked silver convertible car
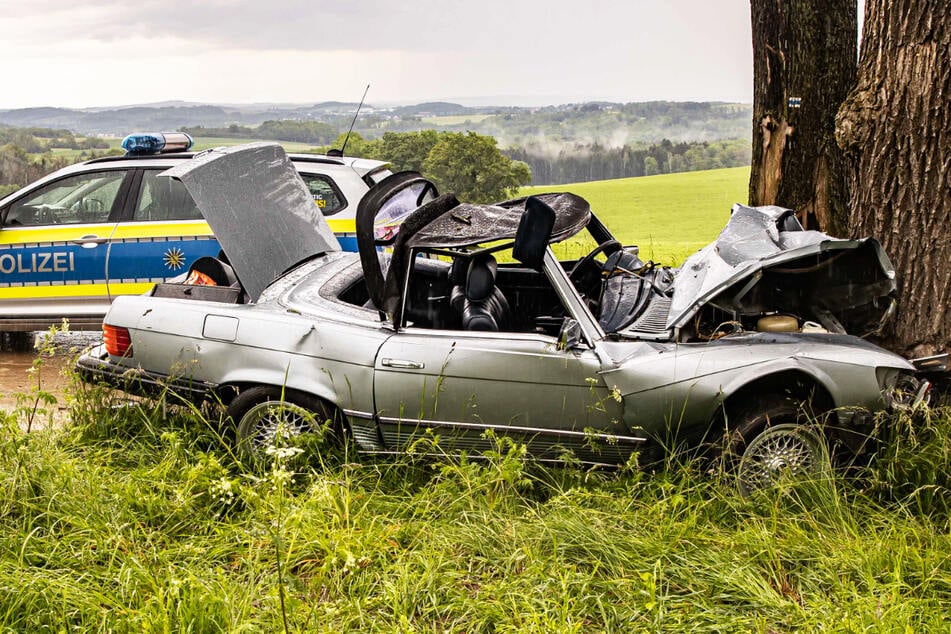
457	323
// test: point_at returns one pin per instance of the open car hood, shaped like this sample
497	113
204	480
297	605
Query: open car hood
763	261
259	209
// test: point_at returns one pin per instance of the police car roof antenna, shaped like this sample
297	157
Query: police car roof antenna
347	138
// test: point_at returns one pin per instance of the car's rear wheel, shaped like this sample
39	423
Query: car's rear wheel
772	442
270	422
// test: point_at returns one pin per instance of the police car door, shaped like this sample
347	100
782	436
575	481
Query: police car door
53	248
159	237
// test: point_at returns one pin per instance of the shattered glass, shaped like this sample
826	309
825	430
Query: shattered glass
397	208
468	224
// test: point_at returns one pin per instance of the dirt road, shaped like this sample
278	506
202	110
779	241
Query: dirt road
19	375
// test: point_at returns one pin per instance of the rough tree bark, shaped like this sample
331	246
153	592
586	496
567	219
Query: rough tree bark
805	50
896	128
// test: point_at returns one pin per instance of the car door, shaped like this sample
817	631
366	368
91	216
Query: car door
160	235
54	244
459	385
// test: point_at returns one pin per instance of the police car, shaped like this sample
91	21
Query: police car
74	240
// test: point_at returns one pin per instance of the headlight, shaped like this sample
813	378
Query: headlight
901	389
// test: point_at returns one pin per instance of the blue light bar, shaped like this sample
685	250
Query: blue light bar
157	143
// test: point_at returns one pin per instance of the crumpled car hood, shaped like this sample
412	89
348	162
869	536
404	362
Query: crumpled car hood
763	261
259	209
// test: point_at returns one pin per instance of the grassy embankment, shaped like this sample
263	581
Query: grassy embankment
128	521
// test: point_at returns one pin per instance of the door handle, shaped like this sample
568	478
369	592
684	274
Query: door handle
403	364
90	241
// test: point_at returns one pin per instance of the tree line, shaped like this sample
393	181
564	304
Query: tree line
18	167
592	162
315	132
39	140
550	163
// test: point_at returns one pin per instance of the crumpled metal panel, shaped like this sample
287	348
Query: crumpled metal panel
259	208
753	233
469	224
753	240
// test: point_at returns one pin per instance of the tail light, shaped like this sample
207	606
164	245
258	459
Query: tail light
118	340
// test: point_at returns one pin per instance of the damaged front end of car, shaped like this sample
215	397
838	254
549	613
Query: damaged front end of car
765	273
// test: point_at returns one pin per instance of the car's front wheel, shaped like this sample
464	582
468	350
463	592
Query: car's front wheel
270	422
773	442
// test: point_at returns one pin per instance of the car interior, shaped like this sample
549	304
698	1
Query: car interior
480	291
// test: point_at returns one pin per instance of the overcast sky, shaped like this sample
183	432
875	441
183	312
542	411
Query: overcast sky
82	53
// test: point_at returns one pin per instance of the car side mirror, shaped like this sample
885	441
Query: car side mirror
534	233
569	336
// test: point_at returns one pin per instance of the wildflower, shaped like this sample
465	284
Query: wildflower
283	453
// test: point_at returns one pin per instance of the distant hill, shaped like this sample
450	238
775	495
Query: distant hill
119	121
436	108
555	127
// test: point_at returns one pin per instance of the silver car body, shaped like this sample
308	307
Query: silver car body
574	386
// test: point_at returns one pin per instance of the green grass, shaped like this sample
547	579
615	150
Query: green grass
143	519
668	216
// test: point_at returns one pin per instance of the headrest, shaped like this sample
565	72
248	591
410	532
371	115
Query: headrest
458	271
480	281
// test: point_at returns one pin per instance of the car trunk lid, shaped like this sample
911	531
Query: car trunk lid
265	219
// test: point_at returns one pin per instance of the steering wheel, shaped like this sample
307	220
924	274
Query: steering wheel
46	215
91	206
584	263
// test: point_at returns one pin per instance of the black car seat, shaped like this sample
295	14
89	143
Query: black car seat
457	282
484	307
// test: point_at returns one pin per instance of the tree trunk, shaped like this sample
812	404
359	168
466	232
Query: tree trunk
803	67
896	129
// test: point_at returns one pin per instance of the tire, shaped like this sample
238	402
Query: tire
18	341
267	416
771	443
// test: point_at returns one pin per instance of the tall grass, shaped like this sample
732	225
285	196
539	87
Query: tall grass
142	518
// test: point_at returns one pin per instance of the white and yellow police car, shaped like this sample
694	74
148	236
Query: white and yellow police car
75	239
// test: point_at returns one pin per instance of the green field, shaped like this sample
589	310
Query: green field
455	119
668	216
